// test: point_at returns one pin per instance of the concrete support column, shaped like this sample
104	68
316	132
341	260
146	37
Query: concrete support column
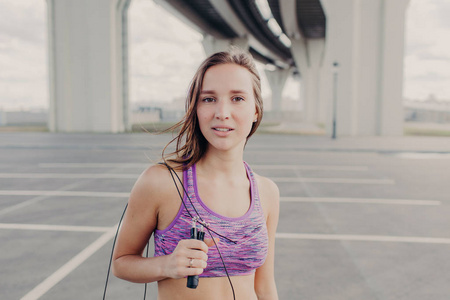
308	56
212	45
88	75
277	79
366	39
391	57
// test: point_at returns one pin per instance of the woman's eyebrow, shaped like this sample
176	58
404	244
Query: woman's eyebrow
211	92
238	92
207	92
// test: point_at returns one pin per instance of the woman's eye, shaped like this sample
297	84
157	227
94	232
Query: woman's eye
238	99
208	100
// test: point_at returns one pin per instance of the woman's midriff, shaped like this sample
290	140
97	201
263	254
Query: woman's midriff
214	288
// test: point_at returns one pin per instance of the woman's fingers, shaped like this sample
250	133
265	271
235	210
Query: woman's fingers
188	258
210	242
194	244
197	263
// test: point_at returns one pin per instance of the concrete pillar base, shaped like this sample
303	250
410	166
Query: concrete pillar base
308	56
277	79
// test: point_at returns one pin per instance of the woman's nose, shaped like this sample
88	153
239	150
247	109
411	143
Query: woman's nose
222	110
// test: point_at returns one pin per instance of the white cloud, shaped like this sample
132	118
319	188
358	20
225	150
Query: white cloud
425	77
23	56
427	53
164	53
23	20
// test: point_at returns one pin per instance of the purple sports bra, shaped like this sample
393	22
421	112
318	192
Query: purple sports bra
248	247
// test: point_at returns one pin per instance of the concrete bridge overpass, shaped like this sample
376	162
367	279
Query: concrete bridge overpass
88	59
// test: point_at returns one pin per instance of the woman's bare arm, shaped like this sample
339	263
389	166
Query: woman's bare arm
151	191
265	286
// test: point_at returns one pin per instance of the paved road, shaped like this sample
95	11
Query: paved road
361	218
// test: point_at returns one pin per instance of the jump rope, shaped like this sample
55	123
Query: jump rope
192	281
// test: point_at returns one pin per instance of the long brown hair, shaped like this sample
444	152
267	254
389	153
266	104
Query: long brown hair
191	145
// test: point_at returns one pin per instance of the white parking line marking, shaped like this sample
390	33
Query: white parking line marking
92	165
284	199
363	238
361	201
37	199
64	193
71	265
53	227
333	180
66	176
134	176
311	167
259	167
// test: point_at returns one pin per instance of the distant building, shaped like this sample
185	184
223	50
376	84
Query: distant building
24	118
430	110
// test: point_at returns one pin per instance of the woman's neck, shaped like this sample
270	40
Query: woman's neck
216	164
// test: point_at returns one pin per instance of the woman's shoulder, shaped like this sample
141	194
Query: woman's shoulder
267	186
159	175
269	194
156	180
155	170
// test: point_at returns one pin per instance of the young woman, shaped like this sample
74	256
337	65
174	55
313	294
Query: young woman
238	207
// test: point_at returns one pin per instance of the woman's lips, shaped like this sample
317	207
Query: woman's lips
222	129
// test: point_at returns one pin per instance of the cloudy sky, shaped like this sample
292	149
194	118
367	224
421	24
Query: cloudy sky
427	50
164	53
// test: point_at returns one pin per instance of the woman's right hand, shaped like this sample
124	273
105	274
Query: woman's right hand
188	258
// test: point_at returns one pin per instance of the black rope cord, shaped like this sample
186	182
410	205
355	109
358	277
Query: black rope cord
200	220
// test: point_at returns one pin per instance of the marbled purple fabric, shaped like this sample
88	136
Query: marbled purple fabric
243	255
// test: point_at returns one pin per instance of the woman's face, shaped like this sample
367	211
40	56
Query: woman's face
226	107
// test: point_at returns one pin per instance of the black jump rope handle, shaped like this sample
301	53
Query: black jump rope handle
192	281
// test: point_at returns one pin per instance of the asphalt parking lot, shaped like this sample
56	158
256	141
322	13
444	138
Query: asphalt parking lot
361	218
